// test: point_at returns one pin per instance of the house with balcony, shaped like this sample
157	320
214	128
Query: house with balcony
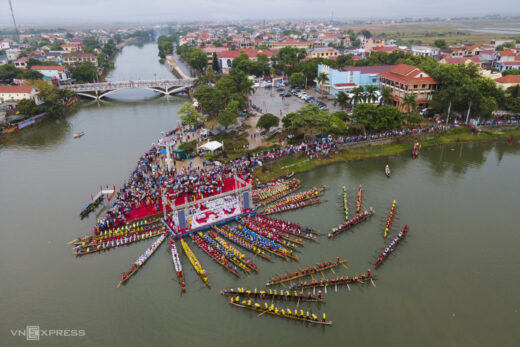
405	79
506	60
226	58
80	57
325	52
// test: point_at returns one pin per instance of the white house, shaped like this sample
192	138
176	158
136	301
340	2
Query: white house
6	44
13	53
426	51
59	73
17	93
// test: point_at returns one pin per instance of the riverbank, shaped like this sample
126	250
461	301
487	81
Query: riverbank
175	68
302	163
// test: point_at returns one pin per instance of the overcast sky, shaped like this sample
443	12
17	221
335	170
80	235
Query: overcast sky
89	11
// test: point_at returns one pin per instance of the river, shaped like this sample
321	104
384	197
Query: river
452	282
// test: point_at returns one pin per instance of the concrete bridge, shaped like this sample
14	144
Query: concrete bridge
100	90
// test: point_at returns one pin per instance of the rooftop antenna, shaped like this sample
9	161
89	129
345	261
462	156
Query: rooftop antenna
14	22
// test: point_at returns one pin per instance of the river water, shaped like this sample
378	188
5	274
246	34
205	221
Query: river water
453	281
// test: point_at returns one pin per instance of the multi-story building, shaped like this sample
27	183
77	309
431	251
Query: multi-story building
79	57
404	80
290	43
506	60
325	52
347	78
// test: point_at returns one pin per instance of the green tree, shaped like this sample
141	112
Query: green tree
358	95
211	99
414	119
268	121
410	102
27	107
84	72
387	97
370	93
189	114
7	73
343	100
30	75
56	46
226	118
322	79
297	79
215	65
440	43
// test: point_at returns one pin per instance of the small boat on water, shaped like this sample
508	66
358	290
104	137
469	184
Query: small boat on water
78	134
387	170
289	175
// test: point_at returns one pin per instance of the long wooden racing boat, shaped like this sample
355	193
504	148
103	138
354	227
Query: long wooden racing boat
391	215
271	295
292	206
359	199
335	281
283	313
232	249
102	245
142	259
285	226
194	262
345	202
227	253
275	235
254	225
390	248
91	206
354	221
264	243
237	240
177	264
214	254
291	188
308	271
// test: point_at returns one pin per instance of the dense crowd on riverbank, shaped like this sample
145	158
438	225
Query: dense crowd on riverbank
150	178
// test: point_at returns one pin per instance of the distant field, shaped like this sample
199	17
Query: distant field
451	31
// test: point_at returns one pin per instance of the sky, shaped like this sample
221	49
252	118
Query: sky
68	12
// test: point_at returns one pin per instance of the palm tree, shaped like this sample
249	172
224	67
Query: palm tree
321	79
386	96
359	94
370	93
343	100
410	102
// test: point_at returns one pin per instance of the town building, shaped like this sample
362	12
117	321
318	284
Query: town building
326	52
508	81
53	73
347	78
506	60
6	44
71	48
13	53
426	51
21	63
226	58
405	79
290	43
462	60
79	57
16	93
210	50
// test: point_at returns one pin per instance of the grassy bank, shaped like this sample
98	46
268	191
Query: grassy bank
398	145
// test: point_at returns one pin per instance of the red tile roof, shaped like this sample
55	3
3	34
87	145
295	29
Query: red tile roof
511	63
506	53
345	85
39	68
16	89
509	79
462	60
407	74
251	53
387	48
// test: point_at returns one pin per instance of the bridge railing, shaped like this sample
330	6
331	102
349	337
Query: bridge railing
129	84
